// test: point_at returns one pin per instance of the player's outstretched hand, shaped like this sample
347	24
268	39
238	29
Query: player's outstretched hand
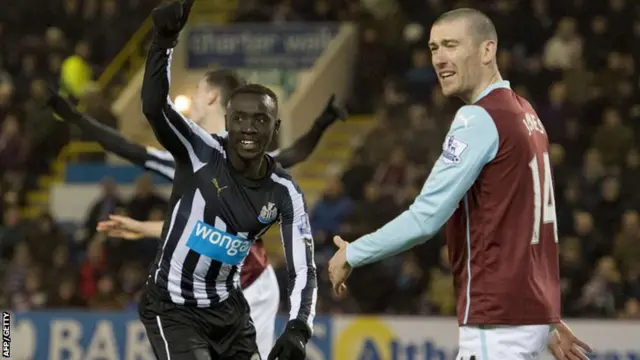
334	110
121	227
331	113
291	345
339	268
61	106
565	345
168	20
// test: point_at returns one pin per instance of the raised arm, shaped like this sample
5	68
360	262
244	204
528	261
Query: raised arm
304	145
179	135
471	143
112	141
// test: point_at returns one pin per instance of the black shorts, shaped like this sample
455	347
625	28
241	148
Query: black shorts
176	332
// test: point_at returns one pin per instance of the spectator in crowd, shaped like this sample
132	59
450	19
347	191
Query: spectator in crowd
131	279
613	139
13	147
394	175
564	46
370	73
76	72
11	234
62	268
376	208
630	176
144	199
93	267
358	173
44	227
108	202
329	213
556	111
420	77
65	296
41	129
439	295
627	242
106	297
16	276
602	295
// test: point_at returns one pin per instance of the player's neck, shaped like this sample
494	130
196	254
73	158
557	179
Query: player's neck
253	169
491	78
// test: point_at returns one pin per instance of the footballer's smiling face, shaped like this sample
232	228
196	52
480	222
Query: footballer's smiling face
251	121
456	56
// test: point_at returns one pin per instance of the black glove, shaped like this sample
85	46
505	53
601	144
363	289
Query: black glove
331	113
291	345
168	20
334	110
61	106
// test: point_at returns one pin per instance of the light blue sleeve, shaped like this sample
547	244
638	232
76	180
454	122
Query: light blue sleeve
471	143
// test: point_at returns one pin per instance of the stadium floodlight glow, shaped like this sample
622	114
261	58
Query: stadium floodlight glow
183	103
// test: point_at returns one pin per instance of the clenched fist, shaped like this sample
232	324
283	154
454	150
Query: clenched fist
168	20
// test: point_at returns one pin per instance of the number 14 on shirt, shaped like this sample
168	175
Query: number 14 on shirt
544	204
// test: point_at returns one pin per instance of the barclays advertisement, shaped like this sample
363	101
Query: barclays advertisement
120	336
258	46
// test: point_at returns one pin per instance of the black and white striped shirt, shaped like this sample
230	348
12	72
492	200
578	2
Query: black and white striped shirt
215	214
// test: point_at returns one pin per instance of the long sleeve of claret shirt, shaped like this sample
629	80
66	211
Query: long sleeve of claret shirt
471	143
297	241
185	140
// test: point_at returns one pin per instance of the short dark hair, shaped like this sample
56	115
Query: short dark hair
226	80
254	89
480	24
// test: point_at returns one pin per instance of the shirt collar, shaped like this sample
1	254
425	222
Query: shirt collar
502	84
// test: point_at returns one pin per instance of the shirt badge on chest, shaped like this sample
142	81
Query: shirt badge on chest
268	213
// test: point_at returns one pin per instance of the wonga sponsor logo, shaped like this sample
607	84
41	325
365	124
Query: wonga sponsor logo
219	245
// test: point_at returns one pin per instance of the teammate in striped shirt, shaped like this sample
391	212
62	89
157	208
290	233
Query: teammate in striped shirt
493	187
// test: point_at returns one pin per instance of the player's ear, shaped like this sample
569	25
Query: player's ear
213	95
276	128
488	51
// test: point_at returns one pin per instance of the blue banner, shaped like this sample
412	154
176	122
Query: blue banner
63	335
109	336
258	46
93	173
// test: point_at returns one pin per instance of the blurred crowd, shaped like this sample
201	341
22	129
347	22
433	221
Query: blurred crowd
51	265
574	60
61	44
